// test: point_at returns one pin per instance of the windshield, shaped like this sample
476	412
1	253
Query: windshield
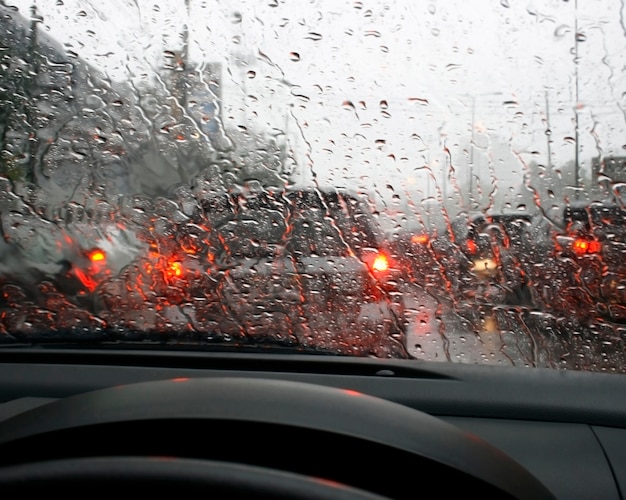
419	180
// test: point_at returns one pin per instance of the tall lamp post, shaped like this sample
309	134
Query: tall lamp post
472	145
471	164
576	160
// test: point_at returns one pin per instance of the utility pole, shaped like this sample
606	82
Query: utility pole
185	58
576	160
180	66
32	90
471	165
548	133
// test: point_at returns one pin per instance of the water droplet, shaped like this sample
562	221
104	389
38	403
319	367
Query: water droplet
581	37
313	36
561	31
384	104
251	74
419	100
294	56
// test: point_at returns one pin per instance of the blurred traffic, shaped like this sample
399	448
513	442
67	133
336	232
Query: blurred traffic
236	199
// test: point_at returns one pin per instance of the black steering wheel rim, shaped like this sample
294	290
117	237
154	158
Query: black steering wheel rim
292	420
169	475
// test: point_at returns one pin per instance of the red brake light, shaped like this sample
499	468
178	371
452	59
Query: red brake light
97	256
594	247
582	246
176	269
471	246
422	239
171	269
380	263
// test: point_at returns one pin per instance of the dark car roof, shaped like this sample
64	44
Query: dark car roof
583	211
305	217
466	223
510	217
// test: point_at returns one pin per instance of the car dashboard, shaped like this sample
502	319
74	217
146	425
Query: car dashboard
544	434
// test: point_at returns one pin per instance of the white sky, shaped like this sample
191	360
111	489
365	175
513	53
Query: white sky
380	89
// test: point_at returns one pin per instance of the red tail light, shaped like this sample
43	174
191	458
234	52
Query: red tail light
174	269
582	246
167	269
380	263
97	256
92	274
472	248
421	239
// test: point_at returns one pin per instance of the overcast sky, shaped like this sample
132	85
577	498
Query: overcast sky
380	90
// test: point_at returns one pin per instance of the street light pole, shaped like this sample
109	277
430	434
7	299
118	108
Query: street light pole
185	59
471	165
576	160
472	145
548	133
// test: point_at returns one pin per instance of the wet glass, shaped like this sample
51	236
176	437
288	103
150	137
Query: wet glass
178	172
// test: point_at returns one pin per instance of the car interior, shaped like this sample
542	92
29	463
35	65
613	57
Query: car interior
348	422
313	250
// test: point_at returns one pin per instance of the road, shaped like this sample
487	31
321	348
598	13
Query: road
441	329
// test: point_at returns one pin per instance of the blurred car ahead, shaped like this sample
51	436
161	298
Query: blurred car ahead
299	268
414	253
490	254
72	248
594	239
315	259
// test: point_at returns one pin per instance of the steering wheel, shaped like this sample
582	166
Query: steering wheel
249	436
171	476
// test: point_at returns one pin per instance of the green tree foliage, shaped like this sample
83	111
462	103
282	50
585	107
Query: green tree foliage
20	62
